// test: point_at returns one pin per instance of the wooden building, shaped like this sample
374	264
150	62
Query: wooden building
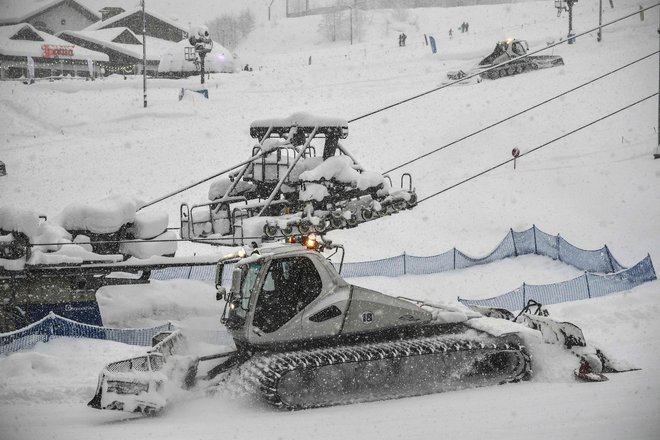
53	17
22	45
123	47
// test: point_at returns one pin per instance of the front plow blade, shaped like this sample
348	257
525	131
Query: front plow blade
140	384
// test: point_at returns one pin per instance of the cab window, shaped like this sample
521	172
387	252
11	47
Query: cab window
291	284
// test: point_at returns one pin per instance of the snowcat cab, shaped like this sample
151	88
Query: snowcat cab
293	296
299	179
504	51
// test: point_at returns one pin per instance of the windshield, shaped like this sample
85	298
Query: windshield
248	281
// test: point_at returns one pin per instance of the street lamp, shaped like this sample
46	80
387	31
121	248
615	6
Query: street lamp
201	40
144	54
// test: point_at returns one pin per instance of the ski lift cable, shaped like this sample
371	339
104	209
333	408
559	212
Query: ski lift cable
537	148
488	170
192	185
481	130
550	46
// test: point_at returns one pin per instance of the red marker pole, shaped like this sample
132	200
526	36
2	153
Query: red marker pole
515	153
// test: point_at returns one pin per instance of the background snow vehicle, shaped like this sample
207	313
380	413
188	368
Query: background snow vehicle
510	52
306	338
299	179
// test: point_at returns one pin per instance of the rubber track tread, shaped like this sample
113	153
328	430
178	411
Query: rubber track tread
264	372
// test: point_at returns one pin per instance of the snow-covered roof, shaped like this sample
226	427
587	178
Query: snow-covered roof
22	48
301	119
110	21
155	46
18	11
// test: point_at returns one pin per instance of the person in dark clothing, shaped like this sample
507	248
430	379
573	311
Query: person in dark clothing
403	39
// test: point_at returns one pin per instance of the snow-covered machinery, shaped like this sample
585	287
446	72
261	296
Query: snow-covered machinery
509	58
285	188
57	264
306	338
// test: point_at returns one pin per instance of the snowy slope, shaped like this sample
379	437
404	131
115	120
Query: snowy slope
77	141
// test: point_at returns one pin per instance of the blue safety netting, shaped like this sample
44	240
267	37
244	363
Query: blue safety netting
515	243
531	241
603	275
54	326
201	273
589	285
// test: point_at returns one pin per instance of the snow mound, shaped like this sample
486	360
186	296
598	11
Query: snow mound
19	220
104	216
149	224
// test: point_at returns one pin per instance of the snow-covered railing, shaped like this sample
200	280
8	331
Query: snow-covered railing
53	326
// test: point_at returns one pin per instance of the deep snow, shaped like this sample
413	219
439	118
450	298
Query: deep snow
74	141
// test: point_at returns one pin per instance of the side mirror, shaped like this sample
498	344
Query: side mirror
221	294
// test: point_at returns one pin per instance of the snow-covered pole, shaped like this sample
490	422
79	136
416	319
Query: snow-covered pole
600	21
144	54
351	9
570	18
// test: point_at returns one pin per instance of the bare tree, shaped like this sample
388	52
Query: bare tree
229	30
336	25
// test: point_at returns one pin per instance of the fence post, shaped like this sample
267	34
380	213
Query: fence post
404	262
513	240
558	250
609	258
454	258
536	249
586	278
49	328
524	296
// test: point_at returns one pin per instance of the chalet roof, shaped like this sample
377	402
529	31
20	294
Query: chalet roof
20	11
33	47
110	21
104	37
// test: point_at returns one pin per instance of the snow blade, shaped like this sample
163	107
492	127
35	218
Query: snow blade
139	384
132	385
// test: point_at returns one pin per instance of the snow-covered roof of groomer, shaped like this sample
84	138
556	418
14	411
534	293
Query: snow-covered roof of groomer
21	47
20	11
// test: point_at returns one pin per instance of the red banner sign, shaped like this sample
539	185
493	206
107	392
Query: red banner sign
56	50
